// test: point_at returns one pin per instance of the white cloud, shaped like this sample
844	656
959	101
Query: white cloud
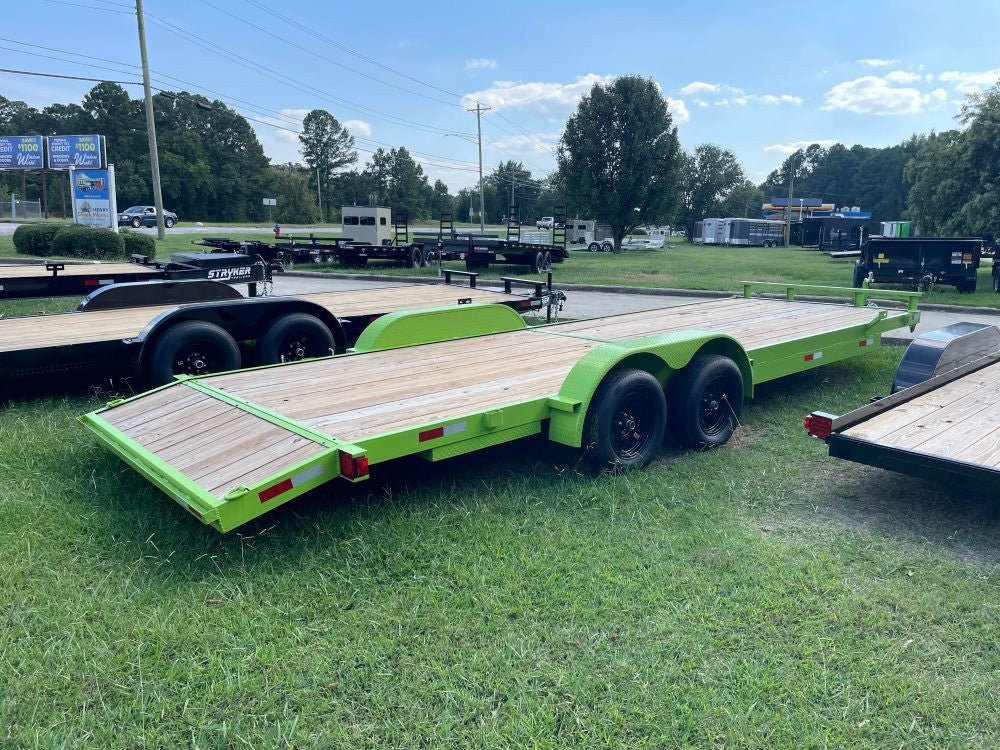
535	143
541	97
700	103
777	99
877	62
679	110
480	63
902	76
358	127
970	83
872	95
699	87
734	95
791	148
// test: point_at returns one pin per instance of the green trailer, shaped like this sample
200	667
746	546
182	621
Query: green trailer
445	382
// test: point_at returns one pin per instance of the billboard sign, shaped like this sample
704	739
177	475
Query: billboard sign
22	152
80	151
93	197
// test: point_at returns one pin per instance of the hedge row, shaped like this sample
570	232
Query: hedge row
78	241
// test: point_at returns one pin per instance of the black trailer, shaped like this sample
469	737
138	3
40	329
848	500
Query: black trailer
920	261
169	335
833	233
942	421
70	279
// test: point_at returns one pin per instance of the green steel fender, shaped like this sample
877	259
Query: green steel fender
408	328
661	356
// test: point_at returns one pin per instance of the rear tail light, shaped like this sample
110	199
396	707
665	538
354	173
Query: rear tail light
819	425
353	467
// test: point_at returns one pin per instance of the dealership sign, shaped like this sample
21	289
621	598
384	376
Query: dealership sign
22	152
80	151
94	201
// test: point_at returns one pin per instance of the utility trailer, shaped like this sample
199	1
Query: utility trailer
942	421
74	279
170	334
753	232
231	447
921	261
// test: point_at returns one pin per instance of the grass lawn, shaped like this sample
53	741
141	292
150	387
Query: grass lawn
761	595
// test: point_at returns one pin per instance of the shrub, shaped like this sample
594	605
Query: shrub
137	244
36	239
77	241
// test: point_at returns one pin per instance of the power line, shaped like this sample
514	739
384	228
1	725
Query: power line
91	7
71	78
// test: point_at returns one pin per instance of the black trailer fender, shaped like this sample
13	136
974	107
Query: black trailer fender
244	320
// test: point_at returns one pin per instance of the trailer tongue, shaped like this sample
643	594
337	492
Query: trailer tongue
230	447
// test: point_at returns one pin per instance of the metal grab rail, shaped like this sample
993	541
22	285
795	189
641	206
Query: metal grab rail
471	275
860	297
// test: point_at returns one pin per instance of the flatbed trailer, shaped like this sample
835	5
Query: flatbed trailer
231	447
76	279
155	342
944	425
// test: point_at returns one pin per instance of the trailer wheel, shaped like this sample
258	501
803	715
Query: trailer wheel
626	421
706	400
293	337
194	347
608	247
996	283
594	247
415	259
548	260
430	258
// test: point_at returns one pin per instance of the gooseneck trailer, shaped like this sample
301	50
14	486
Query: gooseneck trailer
942	421
110	336
231	447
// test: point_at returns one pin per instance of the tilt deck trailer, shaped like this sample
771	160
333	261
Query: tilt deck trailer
175	331
75	279
942	421
231	447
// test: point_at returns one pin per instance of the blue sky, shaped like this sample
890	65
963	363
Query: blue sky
759	79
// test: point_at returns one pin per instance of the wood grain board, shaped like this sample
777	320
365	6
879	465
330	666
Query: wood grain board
37	270
959	421
106	325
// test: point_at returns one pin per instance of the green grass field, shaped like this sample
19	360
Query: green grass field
761	596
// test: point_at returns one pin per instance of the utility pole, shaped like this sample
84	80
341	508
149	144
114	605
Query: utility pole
479	130
319	197
154	157
791	186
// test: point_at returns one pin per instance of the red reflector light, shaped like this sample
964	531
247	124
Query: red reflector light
819	425
526	303
353	467
91	282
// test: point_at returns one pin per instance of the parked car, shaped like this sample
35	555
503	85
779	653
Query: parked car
544	223
145	216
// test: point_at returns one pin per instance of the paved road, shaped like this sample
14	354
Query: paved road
594	304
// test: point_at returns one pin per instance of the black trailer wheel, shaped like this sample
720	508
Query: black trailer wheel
859	276
167	222
415	259
608	247
293	337
706	400
538	262
194	347
626	421
430	258
594	247
966	287
548	260
136	222
996	283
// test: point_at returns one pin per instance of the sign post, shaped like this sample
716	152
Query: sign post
270	202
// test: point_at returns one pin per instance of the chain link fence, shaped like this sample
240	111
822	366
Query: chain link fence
15	208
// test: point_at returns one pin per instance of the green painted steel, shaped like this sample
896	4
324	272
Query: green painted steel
408	328
662	355
859	297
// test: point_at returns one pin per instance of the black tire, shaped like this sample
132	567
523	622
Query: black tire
430	258
607	247
415	258
167	222
293	337
193	347
626	421
594	247
548	260
966	287
996	283
859	276
706	400
538	262
136	222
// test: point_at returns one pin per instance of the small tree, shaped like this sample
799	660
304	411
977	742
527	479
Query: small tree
619	156
327	148
711	176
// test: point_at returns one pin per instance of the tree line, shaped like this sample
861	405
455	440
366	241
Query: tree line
619	161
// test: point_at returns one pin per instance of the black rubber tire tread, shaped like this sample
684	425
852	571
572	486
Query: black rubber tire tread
548	261
136	222
161	360
320	343
594	247
167	222
430	258
615	388
685	399
538	262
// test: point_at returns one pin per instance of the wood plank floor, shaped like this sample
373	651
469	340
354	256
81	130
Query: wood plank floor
960	421
34	270
107	325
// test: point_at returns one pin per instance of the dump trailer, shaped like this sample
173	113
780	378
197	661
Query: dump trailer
155	331
942	420
921	261
231	447
76	279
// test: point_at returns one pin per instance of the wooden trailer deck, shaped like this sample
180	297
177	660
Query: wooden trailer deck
32	270
233	430
960	421
62	329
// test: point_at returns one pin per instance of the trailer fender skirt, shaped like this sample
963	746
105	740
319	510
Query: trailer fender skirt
409	328
661	356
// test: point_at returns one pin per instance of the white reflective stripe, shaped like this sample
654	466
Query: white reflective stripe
304	476
453	428
869	342
817	355
102	282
